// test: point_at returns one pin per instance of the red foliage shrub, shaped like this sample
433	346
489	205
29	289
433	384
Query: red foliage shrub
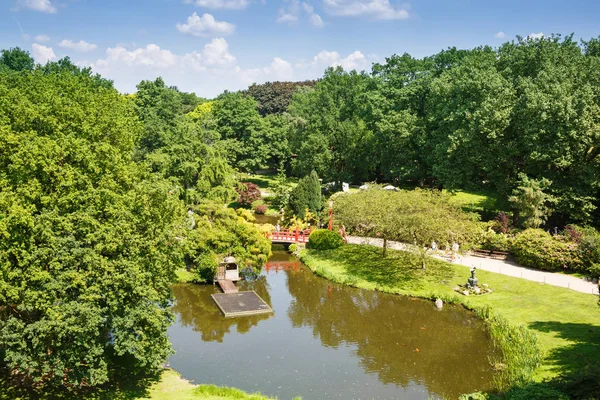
249	193
261	209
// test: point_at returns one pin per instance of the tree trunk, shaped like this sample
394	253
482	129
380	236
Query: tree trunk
384	246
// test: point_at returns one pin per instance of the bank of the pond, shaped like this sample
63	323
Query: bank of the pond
530	322
173	387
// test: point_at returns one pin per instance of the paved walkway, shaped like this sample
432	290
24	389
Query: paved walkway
504	267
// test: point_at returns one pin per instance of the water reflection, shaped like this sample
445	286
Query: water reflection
401	340
329	341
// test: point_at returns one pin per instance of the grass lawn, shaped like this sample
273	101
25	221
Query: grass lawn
172	386
476	201
567	323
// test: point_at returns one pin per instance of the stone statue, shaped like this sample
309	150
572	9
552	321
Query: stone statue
472	281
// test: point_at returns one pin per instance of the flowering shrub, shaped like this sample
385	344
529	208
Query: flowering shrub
538	249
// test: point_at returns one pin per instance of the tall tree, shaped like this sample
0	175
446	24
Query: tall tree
16	59
87	236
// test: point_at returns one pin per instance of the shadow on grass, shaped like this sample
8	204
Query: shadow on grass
138	389
396	269
579	362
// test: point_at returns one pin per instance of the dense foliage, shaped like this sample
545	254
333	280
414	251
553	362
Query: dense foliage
538	249
419	217
93	191
469	119
87	236
219	232
306	196
275	97
324	239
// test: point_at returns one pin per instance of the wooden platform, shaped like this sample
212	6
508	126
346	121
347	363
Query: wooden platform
227	286
241	303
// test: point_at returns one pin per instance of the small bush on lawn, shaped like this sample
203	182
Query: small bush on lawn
261	208
248	193
324	239
538	249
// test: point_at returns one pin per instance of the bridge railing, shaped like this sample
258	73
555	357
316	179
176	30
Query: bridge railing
289	235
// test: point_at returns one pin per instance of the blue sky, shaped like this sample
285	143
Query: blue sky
207	46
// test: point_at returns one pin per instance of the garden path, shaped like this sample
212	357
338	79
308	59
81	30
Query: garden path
504	267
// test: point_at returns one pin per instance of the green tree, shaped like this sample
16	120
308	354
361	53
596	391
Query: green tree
531	203
87	236
243	131
306	196
417	217
16	59
331	133
275	97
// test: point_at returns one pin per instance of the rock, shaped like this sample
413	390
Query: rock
477	290
456	288
439	304
465	292
485	285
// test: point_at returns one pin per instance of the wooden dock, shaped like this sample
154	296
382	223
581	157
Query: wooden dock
241	303
227	286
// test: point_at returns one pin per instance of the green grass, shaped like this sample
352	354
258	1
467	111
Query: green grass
172	386
566	323
168	385
476	201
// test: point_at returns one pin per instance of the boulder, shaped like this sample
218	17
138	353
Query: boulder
439	304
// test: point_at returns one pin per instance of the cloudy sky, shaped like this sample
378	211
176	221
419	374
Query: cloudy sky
207	46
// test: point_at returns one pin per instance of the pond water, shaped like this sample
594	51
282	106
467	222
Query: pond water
329	341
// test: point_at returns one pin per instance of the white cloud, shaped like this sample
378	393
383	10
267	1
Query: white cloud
37	5
82	45
206	25
42	38
215	54
372	9
220	4
316	21
211	69
150	56
355	60
42	54
308	8
500	35
534	36
286	18
291	14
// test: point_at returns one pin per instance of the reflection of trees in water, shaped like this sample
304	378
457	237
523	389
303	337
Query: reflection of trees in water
197	309
387	330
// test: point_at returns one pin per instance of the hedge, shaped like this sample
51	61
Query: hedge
324	239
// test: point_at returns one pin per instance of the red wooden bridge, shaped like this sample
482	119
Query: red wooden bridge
289	236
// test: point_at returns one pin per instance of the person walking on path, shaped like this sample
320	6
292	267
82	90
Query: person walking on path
454	250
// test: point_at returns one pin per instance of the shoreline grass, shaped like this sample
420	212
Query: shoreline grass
522	316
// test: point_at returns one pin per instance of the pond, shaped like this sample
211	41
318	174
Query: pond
329	341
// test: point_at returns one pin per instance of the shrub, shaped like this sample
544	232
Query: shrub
324	239
261	208
248	193
491	240
206	267
538	249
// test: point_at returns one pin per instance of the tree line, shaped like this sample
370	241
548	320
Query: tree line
491	119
